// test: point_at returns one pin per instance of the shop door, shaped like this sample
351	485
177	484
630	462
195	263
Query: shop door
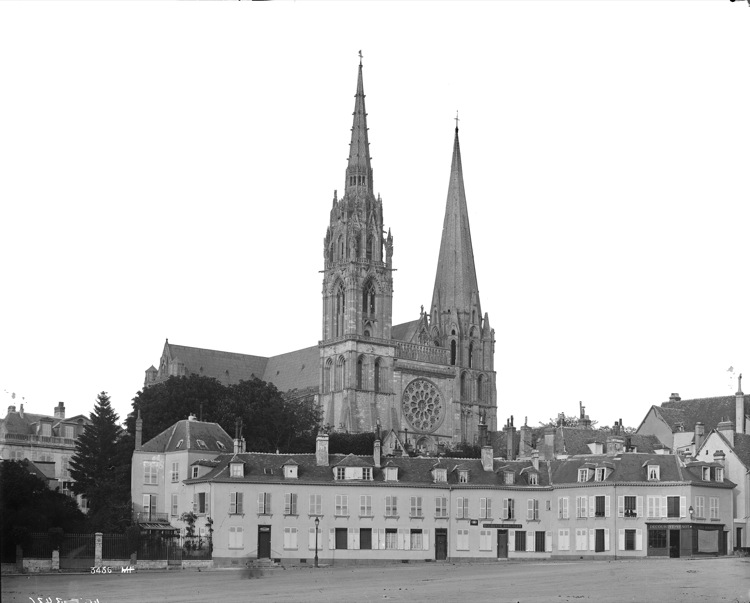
264	542
502	544
674	543
441	544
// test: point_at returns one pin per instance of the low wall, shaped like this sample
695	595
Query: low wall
146	564
197	564
34	566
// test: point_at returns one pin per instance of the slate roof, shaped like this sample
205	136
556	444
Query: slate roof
299	369
742	447
686	413
226	367
189	432
406	331
26	425
576	440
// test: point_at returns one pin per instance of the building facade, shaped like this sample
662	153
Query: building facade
49	441
432	379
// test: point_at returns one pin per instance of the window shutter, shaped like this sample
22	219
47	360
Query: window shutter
425	540
592	539
530	509
311	539
536	508
663	506
639	506
287	538
489	508
505	508
239	502
287	504
529	542
381	538
403	537
512	541
620	506
592	506
232	502
353	540
560	540
560	508
606	539
639	540
208	503
332	538
195	502
683	506
620	540
606	506
548	542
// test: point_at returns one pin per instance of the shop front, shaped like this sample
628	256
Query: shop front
686	539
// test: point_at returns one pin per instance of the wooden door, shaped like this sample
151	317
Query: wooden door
502	544
264	542
441	544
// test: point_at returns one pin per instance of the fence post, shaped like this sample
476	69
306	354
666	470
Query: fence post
98	549
19	558
56	560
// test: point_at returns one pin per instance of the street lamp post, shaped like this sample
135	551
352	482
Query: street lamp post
317	523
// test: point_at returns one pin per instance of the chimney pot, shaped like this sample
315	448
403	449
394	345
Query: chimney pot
321	450
376	453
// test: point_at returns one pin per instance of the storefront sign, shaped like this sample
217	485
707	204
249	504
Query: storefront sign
502	525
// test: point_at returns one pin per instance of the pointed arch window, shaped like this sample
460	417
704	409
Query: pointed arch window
464	387
368	298
480	388
341	248
340	373
453	352
360	372
471	354
339	310
369	247
327	376
377	375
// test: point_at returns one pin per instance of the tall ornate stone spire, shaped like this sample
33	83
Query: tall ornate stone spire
358	170
456	279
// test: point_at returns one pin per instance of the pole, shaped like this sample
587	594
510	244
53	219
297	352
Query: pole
317	521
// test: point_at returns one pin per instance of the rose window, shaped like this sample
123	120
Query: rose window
422	405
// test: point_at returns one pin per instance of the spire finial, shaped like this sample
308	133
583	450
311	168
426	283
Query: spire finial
456	118
360	58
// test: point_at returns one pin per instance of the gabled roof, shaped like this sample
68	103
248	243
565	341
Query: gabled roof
186	434
351	460
226	367
741	447
686	413
406	331
294	370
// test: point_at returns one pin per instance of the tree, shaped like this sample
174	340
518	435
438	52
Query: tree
28	505
354	443
101	468
165	403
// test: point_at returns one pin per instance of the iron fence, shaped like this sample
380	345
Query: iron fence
38	546
115	546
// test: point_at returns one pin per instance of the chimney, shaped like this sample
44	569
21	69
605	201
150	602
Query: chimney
487	458
698	432
583	420
138	431
60	411
321	450
615	444
510	433
239	445
11	408
191	417
20	411
483	441
535	459
719	457
376	453
524	446
549	443
726	428
674	397
739	397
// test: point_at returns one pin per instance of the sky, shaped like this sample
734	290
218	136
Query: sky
167	171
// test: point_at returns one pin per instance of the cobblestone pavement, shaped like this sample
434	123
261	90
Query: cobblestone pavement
704	580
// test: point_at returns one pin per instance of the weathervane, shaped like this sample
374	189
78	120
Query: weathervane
360	57
456	118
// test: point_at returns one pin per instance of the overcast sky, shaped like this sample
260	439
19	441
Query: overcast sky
167	171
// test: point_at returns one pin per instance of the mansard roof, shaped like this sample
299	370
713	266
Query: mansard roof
185	435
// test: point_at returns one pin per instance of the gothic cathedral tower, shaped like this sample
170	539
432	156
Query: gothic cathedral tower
356	350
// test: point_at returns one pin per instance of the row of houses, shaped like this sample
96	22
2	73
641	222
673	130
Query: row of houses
347	508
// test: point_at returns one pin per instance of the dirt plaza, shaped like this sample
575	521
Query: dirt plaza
708	580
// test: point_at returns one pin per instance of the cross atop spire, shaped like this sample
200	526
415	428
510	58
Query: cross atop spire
456	118
358	171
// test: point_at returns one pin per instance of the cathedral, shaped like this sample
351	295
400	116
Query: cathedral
431	380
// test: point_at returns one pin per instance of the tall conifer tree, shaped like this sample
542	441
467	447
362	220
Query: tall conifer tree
101	468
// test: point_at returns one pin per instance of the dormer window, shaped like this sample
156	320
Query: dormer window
533	479
583	475
463	476
509	478
440	474
290	471
179	444
391	474
367	473
719	474
653	473
46	429
235	470
340	472
706	474
600	474
201	444
194	472
220	446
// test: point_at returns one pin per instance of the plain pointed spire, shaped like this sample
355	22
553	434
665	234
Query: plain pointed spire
359	171
456	278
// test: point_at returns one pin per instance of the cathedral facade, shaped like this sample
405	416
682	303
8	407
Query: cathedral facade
431	380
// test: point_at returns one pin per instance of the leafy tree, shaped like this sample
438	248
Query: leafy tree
163	404
464	450
101	468
28	505
356	443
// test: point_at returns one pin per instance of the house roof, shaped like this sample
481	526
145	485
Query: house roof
226	367
16	424
742	448
406	331
184	435
682	415
299	369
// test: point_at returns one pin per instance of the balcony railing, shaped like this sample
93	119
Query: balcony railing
23	437
421	353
